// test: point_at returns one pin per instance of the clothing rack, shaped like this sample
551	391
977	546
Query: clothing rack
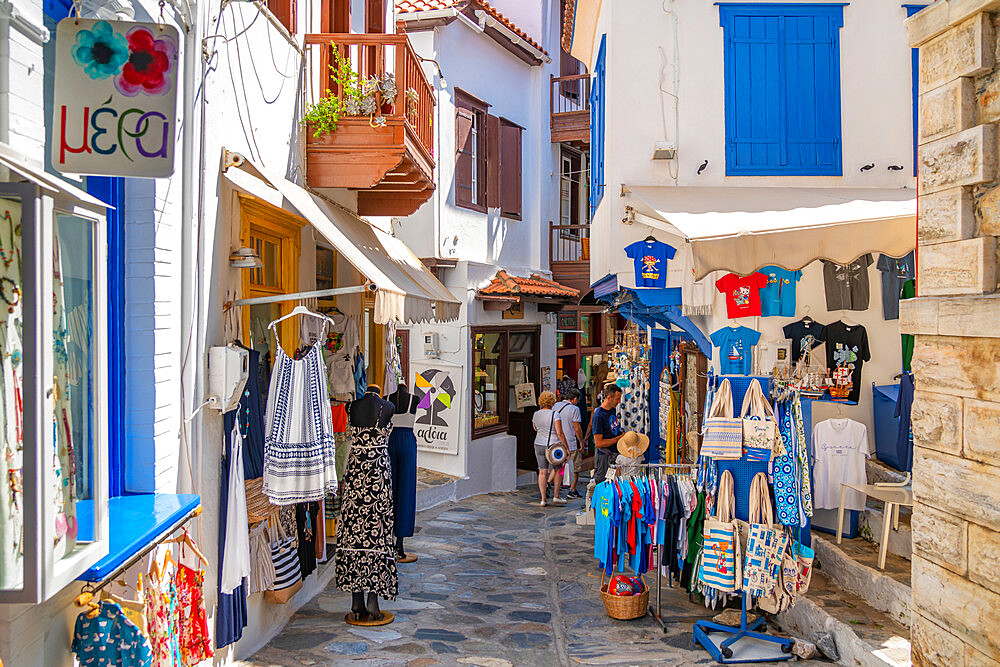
656	611
301	296
91	588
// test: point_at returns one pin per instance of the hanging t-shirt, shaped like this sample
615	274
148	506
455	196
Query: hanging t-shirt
847	346
805	335
778	296
847	284
742	293
650	262
840	447
601	503
908	292
735	349
110	639
895	272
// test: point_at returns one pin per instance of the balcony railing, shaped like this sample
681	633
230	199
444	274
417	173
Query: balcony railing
374	55
569	243
569	106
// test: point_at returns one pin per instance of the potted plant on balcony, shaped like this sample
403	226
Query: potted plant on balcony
372	96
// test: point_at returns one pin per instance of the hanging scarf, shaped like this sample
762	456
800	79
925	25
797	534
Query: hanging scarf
804	479
786	495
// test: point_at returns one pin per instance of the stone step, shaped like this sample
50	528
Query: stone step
900	539
880	472
863	636
853	566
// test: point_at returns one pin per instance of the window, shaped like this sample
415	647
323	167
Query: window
782	78
597	99
488	386
284	11
470	152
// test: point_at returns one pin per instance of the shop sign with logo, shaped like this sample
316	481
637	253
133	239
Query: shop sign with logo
567	321
115	104
438	388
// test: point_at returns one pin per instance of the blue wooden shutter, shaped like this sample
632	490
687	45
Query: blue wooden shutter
597	103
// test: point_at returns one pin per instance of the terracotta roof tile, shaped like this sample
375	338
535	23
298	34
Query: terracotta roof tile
504	284
410	6
569	13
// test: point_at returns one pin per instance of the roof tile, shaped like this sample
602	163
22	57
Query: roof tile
504	284
410	6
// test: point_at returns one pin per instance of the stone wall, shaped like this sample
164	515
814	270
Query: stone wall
956	322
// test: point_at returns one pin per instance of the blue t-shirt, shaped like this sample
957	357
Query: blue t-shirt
735	349
110	640
650	262
778	296
605	423
601	502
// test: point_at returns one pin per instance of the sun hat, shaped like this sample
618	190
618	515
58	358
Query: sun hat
633	444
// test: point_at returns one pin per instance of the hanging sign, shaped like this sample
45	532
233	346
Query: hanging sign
437	386
115	104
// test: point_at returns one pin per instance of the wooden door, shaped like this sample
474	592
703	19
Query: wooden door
335	16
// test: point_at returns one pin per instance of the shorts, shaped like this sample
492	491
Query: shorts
576	458
543	462
602	459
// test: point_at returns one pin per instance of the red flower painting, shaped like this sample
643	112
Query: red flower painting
150	61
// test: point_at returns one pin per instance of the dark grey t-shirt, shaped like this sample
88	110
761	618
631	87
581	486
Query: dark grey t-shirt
847	284
895	272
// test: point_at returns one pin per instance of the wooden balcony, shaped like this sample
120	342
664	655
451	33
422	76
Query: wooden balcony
569	255
392	166
569	106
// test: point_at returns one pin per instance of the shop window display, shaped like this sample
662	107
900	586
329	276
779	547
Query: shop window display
486	379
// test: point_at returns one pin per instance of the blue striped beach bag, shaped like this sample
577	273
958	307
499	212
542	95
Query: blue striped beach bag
721	562
723	434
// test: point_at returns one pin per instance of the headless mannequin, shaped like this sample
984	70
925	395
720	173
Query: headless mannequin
404	403
368	411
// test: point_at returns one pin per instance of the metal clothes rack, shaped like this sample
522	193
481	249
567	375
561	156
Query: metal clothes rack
301	296
656	611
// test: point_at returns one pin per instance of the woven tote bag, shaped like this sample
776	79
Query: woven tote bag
766	545
759	426
723	437
720	560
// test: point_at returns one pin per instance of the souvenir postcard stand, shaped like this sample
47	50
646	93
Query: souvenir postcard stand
748	642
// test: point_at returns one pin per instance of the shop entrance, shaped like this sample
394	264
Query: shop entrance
523	363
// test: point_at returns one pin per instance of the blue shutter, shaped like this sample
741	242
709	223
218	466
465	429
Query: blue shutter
597	102
782	78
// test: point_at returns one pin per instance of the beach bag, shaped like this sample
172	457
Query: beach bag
759	426
783	594
721	543
766	545
804	567
287	571
723	437
524	395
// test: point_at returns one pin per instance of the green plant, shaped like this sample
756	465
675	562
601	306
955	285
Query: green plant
323	115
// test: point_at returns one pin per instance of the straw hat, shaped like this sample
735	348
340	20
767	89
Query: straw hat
633	444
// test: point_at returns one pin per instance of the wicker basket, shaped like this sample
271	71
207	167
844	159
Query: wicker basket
625	607
259	506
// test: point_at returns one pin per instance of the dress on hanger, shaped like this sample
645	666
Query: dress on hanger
299	463
403	465
365	560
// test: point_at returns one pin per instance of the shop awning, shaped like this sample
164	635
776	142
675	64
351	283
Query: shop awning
59	189
407	291
648	307
741	229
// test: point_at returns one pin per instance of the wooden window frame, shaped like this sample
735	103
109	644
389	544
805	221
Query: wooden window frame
503	377
467	105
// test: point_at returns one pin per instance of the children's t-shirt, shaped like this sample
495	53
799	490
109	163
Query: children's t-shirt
805	335
650	262
735	349
601	502
742	293
840	447
777	297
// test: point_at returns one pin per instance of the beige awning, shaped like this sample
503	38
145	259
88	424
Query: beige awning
407	291
741	229
63	191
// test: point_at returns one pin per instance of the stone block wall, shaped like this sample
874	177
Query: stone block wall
956	324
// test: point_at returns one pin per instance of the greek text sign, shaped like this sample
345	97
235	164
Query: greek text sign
114	110
438	388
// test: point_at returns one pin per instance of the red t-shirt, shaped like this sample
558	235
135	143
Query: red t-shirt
742	294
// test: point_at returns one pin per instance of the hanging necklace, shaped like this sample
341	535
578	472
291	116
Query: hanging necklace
7	255
15	293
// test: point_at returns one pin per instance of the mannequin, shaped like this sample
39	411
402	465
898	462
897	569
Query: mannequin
403	463
365	558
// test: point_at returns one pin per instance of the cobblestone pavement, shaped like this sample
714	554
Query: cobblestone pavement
499	581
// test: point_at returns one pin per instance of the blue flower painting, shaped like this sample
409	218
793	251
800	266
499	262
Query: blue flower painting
100	51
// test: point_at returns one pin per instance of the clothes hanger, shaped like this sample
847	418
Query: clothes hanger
805	316
650	238
299	310
185	539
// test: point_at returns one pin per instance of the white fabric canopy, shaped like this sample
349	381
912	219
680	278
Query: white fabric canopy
407	291
59	188
741	229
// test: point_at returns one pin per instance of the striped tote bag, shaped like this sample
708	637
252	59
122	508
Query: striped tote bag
721	561
723	433
766	544
287	570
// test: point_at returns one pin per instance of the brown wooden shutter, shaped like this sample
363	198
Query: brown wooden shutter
494	168
464	162
284	11
510	160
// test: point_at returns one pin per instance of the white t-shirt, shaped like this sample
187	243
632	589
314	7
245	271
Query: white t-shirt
840	447
568	415
543	422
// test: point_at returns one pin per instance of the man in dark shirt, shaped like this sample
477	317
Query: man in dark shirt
606	430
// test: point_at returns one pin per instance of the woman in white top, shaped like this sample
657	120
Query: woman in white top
548	431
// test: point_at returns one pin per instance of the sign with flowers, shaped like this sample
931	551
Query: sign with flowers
115	102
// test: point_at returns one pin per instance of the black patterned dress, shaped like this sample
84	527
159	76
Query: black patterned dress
365	560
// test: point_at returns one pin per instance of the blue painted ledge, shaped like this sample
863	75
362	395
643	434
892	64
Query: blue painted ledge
136	522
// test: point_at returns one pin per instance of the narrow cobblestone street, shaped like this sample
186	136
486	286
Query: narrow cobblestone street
500	581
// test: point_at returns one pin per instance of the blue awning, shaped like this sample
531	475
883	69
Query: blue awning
673	315
605	286
657	296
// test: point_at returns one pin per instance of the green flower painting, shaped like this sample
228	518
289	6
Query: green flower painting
100	51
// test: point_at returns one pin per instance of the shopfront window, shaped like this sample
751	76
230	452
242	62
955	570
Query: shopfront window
487	351
586	329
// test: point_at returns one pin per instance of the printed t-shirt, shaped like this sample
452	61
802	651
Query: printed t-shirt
847	284
777	297
650	259
110	639
568	414
847	346
735	349
805	335
742	293
605	424
895	272
840	447
601	502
